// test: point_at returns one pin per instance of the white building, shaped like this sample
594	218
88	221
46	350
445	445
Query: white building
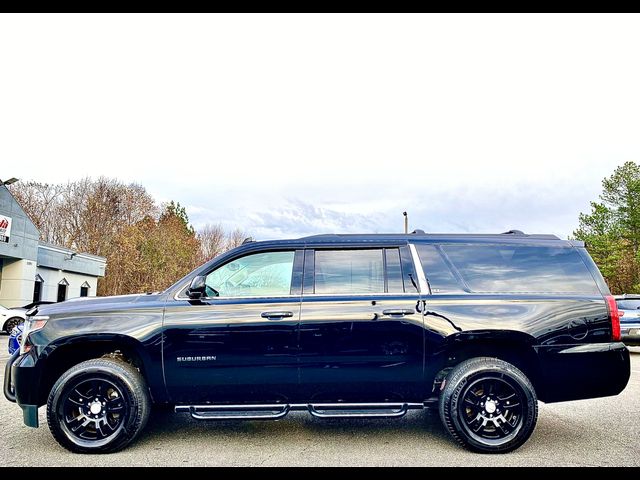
31	270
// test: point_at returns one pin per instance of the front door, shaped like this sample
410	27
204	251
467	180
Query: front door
240	343
361	335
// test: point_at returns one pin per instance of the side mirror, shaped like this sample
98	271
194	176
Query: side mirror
198	288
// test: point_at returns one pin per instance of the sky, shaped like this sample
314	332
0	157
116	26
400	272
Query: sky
291	125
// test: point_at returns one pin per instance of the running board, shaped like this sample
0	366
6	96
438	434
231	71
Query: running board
318	410
235	412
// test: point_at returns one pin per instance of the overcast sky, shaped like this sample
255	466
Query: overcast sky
287	125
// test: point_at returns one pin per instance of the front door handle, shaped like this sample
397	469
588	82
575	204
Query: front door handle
398	312
276	315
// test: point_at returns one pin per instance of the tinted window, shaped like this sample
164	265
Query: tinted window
628	304
439	275
259	275
521	268
349	271
394	270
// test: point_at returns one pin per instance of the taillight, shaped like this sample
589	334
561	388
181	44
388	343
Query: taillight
614	315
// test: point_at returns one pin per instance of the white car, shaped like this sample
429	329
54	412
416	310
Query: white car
9	317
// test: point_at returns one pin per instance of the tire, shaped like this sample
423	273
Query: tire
488	405
11	324
98	406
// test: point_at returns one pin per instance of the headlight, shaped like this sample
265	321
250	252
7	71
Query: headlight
31	324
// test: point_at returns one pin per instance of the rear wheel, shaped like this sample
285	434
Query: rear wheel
98	406
12	323
488	405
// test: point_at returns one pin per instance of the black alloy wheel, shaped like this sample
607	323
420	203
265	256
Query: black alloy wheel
491	408
98	406
488	405
92	410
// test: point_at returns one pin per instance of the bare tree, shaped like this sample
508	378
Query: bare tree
235	238
213	241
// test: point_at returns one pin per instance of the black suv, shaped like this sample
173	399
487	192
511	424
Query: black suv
481	326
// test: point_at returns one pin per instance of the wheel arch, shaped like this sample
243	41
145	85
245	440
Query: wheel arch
511	346
15	317
60	356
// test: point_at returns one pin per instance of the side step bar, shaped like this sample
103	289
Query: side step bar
319	410
235	412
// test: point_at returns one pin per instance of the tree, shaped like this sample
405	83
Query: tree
213	241
612	229
147	247
235	238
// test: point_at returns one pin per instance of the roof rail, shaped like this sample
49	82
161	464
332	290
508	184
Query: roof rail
418	231
513	232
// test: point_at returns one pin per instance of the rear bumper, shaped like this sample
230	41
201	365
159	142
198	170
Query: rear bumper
575	372
630	333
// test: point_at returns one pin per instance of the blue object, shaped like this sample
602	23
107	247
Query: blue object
14	338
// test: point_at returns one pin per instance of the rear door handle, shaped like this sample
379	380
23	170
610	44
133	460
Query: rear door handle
276	315
398	312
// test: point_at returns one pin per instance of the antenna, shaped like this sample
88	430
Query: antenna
406	222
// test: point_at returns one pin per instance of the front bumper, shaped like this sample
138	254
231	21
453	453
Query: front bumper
630	333
29	412
19	378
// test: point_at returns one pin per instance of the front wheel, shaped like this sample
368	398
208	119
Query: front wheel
98	406
488	405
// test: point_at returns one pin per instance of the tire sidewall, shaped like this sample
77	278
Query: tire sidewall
456	386
114	373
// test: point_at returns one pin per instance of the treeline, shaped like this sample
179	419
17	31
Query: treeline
611	229
148	245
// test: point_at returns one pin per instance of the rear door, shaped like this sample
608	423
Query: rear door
361	335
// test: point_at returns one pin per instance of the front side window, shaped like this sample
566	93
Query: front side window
349	271
259	275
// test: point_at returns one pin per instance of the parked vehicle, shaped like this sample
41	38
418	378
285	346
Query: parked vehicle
10	317
29	306
15	336
481	326
629	307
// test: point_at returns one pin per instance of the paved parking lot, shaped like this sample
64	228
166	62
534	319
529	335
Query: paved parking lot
592	432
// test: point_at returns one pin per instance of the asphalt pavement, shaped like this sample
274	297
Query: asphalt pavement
595	432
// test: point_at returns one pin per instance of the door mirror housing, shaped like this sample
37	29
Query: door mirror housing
197	288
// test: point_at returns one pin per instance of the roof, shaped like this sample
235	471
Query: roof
419	237
424	236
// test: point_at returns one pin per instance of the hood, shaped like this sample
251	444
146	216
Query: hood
83	304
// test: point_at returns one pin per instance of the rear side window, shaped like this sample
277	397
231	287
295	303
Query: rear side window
349	271
366	271
521	269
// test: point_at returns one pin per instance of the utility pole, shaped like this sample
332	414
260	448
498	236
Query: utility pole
406	222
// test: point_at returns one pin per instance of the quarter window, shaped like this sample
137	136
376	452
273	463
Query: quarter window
259	275
349	271
440	277
521	269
